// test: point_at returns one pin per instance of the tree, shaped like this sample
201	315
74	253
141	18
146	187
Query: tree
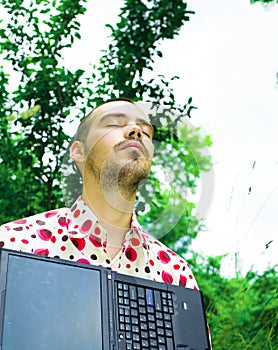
32	38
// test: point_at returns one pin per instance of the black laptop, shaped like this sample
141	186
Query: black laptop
55	304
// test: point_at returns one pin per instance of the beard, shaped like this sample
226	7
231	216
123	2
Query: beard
119	174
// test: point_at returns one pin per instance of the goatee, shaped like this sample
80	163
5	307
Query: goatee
121	175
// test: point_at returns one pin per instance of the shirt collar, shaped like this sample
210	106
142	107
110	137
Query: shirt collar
83	221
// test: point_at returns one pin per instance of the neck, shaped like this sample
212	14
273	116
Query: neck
113	210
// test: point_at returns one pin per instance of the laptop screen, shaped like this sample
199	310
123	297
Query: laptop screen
65	303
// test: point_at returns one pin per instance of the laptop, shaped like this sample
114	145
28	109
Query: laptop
55	304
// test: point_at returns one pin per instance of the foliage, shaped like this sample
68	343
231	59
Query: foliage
241	311
266	2
134	46
32	39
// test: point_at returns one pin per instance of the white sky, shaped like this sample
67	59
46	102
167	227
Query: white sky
227	60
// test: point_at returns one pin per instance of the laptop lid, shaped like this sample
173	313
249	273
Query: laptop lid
50	304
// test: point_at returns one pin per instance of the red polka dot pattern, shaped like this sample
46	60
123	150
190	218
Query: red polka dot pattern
79	243
95	240
163	257
44	234
131	254
167	277
182	281
86	227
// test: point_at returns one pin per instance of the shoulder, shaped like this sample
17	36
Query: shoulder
27	234
41	219
171	267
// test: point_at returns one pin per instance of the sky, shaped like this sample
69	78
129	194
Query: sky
227	60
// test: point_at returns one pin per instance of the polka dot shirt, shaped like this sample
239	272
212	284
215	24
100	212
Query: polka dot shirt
76	234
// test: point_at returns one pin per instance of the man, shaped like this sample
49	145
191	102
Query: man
113	150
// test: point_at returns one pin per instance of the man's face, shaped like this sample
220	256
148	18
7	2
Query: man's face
119	144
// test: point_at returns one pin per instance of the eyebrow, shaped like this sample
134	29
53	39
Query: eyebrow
123	115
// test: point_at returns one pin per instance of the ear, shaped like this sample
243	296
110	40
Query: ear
77	152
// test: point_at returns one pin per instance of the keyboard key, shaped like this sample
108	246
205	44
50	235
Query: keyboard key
168	325
151	317
144	335
134	320
171	310
170	302
161	340
160	331
152	334
136	346
142	302
168	333
159	315
134	304
133	292
145	343
157	298
134	312
150	297
135	337
159	323
142	310
122	327
169	343
144	326
143	318
165	309
153	342
141	292
135	329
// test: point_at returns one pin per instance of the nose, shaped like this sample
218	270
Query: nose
133	131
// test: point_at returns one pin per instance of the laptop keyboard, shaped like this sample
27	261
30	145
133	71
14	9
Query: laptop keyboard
145	318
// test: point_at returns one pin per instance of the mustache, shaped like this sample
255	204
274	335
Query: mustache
126	142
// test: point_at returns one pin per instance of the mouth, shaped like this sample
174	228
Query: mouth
133	146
